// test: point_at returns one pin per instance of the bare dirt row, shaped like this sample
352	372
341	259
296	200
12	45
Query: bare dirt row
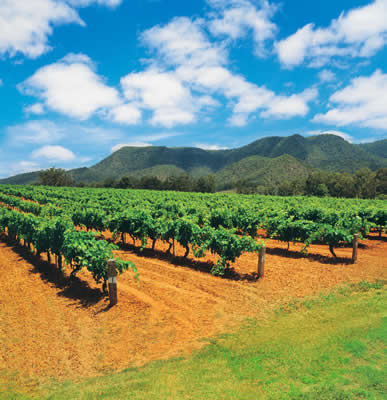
50	327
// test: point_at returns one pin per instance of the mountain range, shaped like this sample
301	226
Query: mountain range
269	160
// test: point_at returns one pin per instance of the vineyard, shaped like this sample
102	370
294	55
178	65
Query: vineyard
55	324
71	223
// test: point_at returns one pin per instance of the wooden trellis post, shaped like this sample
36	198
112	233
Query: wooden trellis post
261	261
112	280
355	244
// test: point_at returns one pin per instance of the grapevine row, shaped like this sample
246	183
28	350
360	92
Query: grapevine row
58	236
142	226
197	219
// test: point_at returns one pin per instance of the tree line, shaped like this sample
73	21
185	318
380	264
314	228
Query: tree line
364	183
179	183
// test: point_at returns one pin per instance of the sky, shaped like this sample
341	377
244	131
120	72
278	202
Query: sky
81	78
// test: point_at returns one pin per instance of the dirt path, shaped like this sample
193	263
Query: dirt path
67	331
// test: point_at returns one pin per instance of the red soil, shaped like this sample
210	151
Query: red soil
51	328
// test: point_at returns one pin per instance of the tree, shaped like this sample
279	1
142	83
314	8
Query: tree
243	186
365	183
128	182
312	184
343	185
150	183
381	181
55	177
285	189
205	184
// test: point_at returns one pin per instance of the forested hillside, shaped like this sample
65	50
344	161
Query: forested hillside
269	160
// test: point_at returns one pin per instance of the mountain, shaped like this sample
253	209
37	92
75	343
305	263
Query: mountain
270	159
378	148
261	171
27	178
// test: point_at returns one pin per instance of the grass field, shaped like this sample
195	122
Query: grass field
328	347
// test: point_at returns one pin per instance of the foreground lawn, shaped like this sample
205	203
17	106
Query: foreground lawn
330	347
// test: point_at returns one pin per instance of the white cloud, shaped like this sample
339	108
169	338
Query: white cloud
199	68
53	153
361	32
71	87
38	132
363	103
125	114
238	120
247	97
326	75
341	134
163	93
183	41
37	108
236	18
206	146
133	144
289	106
25	25
1	82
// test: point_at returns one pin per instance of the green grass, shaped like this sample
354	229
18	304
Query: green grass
331	347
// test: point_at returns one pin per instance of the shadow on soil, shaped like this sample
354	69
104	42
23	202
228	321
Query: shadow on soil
180	261
312	256
231	273
71	288
377	237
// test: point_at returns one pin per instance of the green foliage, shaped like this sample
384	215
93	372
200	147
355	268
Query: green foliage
226	225
55	177
378	148
58	236
269	161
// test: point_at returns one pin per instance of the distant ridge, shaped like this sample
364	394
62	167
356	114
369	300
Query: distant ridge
265	161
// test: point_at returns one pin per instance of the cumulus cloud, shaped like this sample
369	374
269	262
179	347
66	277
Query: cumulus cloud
183	41
163	93
290	106
71	87
192	71
237	18
25	26
53	153
184	79
125	114
363	103
360	32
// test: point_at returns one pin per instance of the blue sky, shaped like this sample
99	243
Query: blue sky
81	78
